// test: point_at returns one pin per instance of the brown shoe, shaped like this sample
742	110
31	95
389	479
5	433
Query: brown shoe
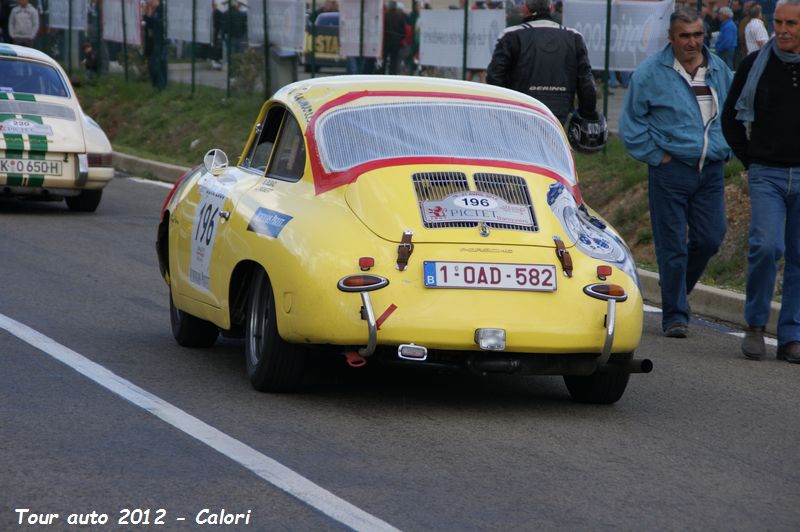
753	344
790	352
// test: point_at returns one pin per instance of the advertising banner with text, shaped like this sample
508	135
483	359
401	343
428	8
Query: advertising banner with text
59	14
442	40
350	24
112	21
179	20
286	20
638	29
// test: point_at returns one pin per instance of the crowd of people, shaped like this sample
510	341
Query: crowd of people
752	115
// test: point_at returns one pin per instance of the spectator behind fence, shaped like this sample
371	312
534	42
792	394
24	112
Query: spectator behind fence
685	151
728	36
5	10
738	11
755	33
558	12
23	23
219	32
89	61
760	122
394	31
547	61
154	49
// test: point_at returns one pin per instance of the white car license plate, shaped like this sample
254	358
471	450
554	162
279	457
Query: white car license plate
31	167
485	275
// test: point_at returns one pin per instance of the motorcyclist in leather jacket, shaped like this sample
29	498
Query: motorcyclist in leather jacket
543	59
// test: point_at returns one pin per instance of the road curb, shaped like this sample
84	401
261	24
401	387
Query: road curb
715	303
709	301
147	168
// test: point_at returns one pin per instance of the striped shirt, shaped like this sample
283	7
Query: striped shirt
705	99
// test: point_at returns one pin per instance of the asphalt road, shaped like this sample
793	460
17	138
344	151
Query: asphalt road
707	441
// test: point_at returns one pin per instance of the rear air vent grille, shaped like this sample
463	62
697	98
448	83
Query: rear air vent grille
433	186
514	190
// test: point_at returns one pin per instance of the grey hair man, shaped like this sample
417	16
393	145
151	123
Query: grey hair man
760	123
755	32
543	59
685	152
728	38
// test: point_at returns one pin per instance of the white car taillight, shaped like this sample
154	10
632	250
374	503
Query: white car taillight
99	159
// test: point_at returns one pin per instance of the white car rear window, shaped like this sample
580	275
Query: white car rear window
20	75
350	136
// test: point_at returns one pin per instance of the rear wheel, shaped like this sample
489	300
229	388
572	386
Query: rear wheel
600	388
86	201
190	331
272	364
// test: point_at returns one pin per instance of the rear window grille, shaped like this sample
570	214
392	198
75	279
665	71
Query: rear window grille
513	190
52	110
436	186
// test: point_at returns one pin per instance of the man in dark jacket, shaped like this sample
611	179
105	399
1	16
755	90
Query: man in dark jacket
394	29
760	122
545	60
154	48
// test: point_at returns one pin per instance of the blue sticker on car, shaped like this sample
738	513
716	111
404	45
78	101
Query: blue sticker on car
267	222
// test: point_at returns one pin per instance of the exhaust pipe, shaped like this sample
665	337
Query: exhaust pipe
482	366
643	365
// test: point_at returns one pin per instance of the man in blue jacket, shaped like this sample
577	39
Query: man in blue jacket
670	120
728	38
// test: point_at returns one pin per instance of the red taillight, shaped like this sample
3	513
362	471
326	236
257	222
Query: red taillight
174	188
603	272
361	283
365	263
99	159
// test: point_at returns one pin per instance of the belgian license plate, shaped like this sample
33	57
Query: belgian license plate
31	167
490	276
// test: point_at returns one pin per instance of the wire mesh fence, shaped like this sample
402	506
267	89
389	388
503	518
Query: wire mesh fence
221	43
257	46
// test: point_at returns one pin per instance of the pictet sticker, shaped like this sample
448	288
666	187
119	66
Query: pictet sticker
475	207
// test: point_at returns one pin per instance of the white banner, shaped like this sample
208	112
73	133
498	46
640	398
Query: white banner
179	20
638	29
442	40
350	27
112	21
58	11
285	17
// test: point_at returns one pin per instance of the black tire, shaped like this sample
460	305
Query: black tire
86	201
599	388
272	364
190	331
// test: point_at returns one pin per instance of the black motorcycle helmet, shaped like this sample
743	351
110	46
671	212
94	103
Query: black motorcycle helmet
586	135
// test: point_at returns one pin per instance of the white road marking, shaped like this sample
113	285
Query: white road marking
769	341
152	182
265	467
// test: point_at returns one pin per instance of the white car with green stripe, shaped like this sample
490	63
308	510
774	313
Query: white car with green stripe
49	149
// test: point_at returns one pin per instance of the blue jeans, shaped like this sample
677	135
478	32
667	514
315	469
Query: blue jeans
774	233
683	197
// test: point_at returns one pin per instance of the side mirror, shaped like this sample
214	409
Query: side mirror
215	161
